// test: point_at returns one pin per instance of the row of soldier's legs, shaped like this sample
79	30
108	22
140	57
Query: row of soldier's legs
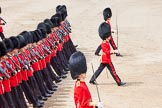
9	99
47	79
41	83
56	64
34	86
67	50
29	93
21	96
19	102
71	46
3	103
62	59
54	77
111	69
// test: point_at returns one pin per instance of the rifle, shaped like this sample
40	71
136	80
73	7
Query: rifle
28	64
117	29
53	45
21	62
17	67
67	30
9	66
3	71
67	23
31	59
54	40
36	53
31	53
59	35
96	85
67	26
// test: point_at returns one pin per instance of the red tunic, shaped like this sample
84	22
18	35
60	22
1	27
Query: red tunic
105	57
6	82
36	66
23	72
18	73
82	96
1	88
13	79
29	72
1	29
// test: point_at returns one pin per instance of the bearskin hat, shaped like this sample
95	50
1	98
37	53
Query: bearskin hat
104	31
45	29
58	8
107	13
3	48
22	41
25	34
9	44
63	10
48	21
45	32
38	35
15	42
55	20
77	64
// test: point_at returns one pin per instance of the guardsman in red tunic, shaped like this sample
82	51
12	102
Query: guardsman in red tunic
78	69
60	34
11	67
26	88
62	9
107	14
16	63
105	34
55	60
3	75
44	71
1	29
6	80
50	44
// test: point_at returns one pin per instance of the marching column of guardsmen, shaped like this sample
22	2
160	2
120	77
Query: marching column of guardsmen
32	62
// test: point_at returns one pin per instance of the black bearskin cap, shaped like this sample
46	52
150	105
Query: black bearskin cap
3	49
38	35
48	29
107	13
25	34
34	36
77	64
9	44
41	26
104	31
55	20
21	41
62	9
30	36
45	29
15	42
44	32
58	8
48	21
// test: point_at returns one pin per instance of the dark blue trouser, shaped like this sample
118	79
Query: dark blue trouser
111	68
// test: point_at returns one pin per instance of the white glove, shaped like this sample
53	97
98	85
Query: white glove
100	105
116	51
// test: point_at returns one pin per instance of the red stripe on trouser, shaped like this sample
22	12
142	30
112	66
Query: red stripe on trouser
113	44
116	77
